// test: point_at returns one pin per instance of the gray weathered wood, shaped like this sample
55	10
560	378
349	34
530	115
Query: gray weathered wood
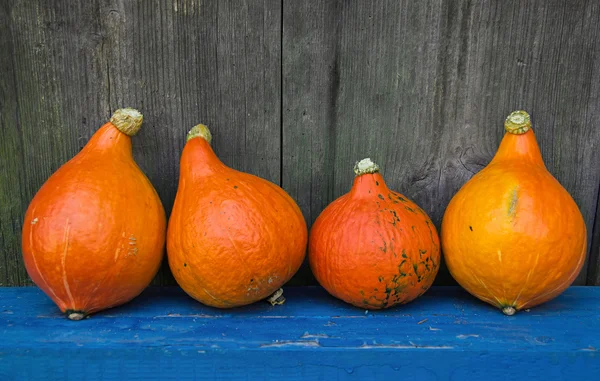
11	161
594	267
180	63
310	88
423	89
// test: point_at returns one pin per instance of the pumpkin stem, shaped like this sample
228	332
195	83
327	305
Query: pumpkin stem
75	315
200	131
509	310
365	166
518	122
127	120
276	298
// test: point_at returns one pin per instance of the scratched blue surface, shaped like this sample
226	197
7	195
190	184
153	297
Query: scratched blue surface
446	334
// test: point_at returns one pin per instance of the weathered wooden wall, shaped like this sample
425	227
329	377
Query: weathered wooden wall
297	91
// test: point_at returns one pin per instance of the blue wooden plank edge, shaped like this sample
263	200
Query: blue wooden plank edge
446	334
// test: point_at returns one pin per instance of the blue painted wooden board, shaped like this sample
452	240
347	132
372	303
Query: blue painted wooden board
446	334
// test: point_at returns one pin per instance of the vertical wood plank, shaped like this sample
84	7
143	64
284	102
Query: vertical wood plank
423	88
593	278
180	63
11	158
310	91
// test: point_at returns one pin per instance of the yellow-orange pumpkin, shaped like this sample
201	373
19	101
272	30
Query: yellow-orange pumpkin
233	238
373	247
93	236
512	236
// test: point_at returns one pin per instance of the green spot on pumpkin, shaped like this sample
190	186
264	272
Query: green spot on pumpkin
381	196
377	183
404	254
416	268
235	187
514	198
430	232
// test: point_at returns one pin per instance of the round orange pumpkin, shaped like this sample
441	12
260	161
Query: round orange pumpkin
373	247
513	236
233	238
93	236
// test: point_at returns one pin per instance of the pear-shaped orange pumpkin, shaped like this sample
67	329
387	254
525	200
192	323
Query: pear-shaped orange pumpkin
233	238
373	247
94	234
512	236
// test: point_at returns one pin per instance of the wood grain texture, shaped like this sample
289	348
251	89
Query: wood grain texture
163	334
309	89
423	89
180	63
12	202
594	267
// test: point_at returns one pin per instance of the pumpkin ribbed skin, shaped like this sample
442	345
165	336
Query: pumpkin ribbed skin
513	236
93	235
233	238
373	247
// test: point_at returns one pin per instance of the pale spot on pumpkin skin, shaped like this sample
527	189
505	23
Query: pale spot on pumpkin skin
499	255
117	253
34	221
132	250
514	198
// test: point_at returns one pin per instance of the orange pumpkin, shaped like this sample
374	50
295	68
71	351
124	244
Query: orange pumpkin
93	235
233	238
512	236
373	247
